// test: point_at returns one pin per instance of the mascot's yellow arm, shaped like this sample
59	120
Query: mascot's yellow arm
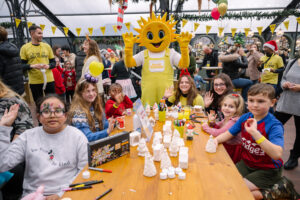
184	39
129	41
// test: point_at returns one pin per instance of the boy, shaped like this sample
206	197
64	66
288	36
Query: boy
262	137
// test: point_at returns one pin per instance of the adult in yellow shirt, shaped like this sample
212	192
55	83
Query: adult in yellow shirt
186	93
39	59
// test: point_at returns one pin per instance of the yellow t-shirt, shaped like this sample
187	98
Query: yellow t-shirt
37	55
183	100
275	62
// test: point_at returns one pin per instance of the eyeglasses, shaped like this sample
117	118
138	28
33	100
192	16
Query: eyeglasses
57	113
219	85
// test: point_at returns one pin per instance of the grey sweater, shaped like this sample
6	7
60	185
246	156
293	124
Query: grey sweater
52	160
289	101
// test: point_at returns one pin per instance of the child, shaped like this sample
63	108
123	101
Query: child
58	80
262	146
87	114
54	153
232	108
198	80
69	80
118	102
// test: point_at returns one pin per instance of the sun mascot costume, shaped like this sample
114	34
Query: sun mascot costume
157	60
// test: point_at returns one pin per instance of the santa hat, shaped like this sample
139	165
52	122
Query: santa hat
271	44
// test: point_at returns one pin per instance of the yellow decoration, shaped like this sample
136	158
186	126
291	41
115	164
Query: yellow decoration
221	29
96	68
128	25
259	29
17	22
115	28
91	31
172	17
298	20
78	30
42	26
286	24
208	29
196	25
272	28
66	30
246	31
222	8
140	22
233	30
102	29
29	24
184	21
53	28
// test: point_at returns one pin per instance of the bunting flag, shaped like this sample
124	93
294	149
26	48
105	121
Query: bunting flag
140	22
66	30
78	30
91	31
42	26
17	22
233	30
298	20
272	28
128	25
207	29
115	28
184	21
29	24
53	28
286	24
102	29
221	29
196	25
246	31
259	29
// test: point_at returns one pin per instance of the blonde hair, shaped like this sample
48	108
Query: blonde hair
238	102
93	50
6	92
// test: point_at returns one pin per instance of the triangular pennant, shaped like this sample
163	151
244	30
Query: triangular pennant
184	21
140	22
196	25
286	24
221	29
259	29
272	28
115	28
78	30
17	22
298	20
91	31
233	30
29	24
128	25
102	29
66	30
53	29
208	29
42	26
246	31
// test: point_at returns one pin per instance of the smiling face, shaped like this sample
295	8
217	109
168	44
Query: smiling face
219	86
89	94
184	85
228	108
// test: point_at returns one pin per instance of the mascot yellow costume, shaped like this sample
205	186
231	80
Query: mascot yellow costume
157	60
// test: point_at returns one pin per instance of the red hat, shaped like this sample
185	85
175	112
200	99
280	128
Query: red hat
271	44
109	50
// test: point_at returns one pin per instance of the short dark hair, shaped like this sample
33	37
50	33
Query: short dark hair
262	88
3	34
33	27
49	96
66	48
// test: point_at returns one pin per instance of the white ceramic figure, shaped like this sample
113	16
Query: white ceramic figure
148	109
134	138
155	142
157	152
152	121
167	140
165	160
183	157
174	148
210	145
142	148
149	167
158	135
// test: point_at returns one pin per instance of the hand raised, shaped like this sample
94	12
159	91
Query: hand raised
129	39
9	116
184	39
208	99
251	125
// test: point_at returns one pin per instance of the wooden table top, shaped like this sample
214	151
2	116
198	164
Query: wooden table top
208	177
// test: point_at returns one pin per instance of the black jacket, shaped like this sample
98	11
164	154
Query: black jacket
79	62
231	68
119	71
213	59
11	67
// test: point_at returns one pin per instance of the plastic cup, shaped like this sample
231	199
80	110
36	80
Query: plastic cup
180	129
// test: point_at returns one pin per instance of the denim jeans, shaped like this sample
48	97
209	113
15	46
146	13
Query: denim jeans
243	83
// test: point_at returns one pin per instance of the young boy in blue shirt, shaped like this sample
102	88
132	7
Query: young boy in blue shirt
262	147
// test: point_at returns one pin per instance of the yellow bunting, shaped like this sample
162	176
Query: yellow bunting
66	30
184	21
246	31
140	22
29	24
115	28
128	25
91	30
208	29
259	29
196	25
233	30
53	29
221	29
102	29
17	22
42	26
272	28
78	30
298	20
286	24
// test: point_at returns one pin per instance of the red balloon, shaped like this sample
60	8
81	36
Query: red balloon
215	13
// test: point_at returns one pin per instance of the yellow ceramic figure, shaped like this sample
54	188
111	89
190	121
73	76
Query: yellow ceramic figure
156	34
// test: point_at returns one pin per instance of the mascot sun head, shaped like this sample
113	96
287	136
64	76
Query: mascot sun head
156	34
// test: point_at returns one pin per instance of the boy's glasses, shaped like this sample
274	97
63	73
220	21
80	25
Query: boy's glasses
48	113
219	85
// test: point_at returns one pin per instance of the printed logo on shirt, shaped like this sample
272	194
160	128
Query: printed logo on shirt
252	148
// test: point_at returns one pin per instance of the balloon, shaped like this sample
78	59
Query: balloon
96	68
215	1
215	13
222	8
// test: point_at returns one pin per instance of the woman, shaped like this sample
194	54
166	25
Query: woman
288	106
86	112
222	86
185	93
253	57
122	75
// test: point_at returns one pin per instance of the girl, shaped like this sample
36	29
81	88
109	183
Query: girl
118	102
69	80
53	153
58	80
232	107
222	86
186	93
87	114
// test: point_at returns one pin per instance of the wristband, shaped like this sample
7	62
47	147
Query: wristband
260	140
115	106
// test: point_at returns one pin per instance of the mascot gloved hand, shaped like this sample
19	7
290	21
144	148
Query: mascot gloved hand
157	60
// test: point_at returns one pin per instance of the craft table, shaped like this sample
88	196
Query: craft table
208	177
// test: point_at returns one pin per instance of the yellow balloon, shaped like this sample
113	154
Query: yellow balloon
222	8
96	68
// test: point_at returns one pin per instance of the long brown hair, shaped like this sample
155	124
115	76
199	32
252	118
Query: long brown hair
229	89
93	50
78	103
6	92
192	93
